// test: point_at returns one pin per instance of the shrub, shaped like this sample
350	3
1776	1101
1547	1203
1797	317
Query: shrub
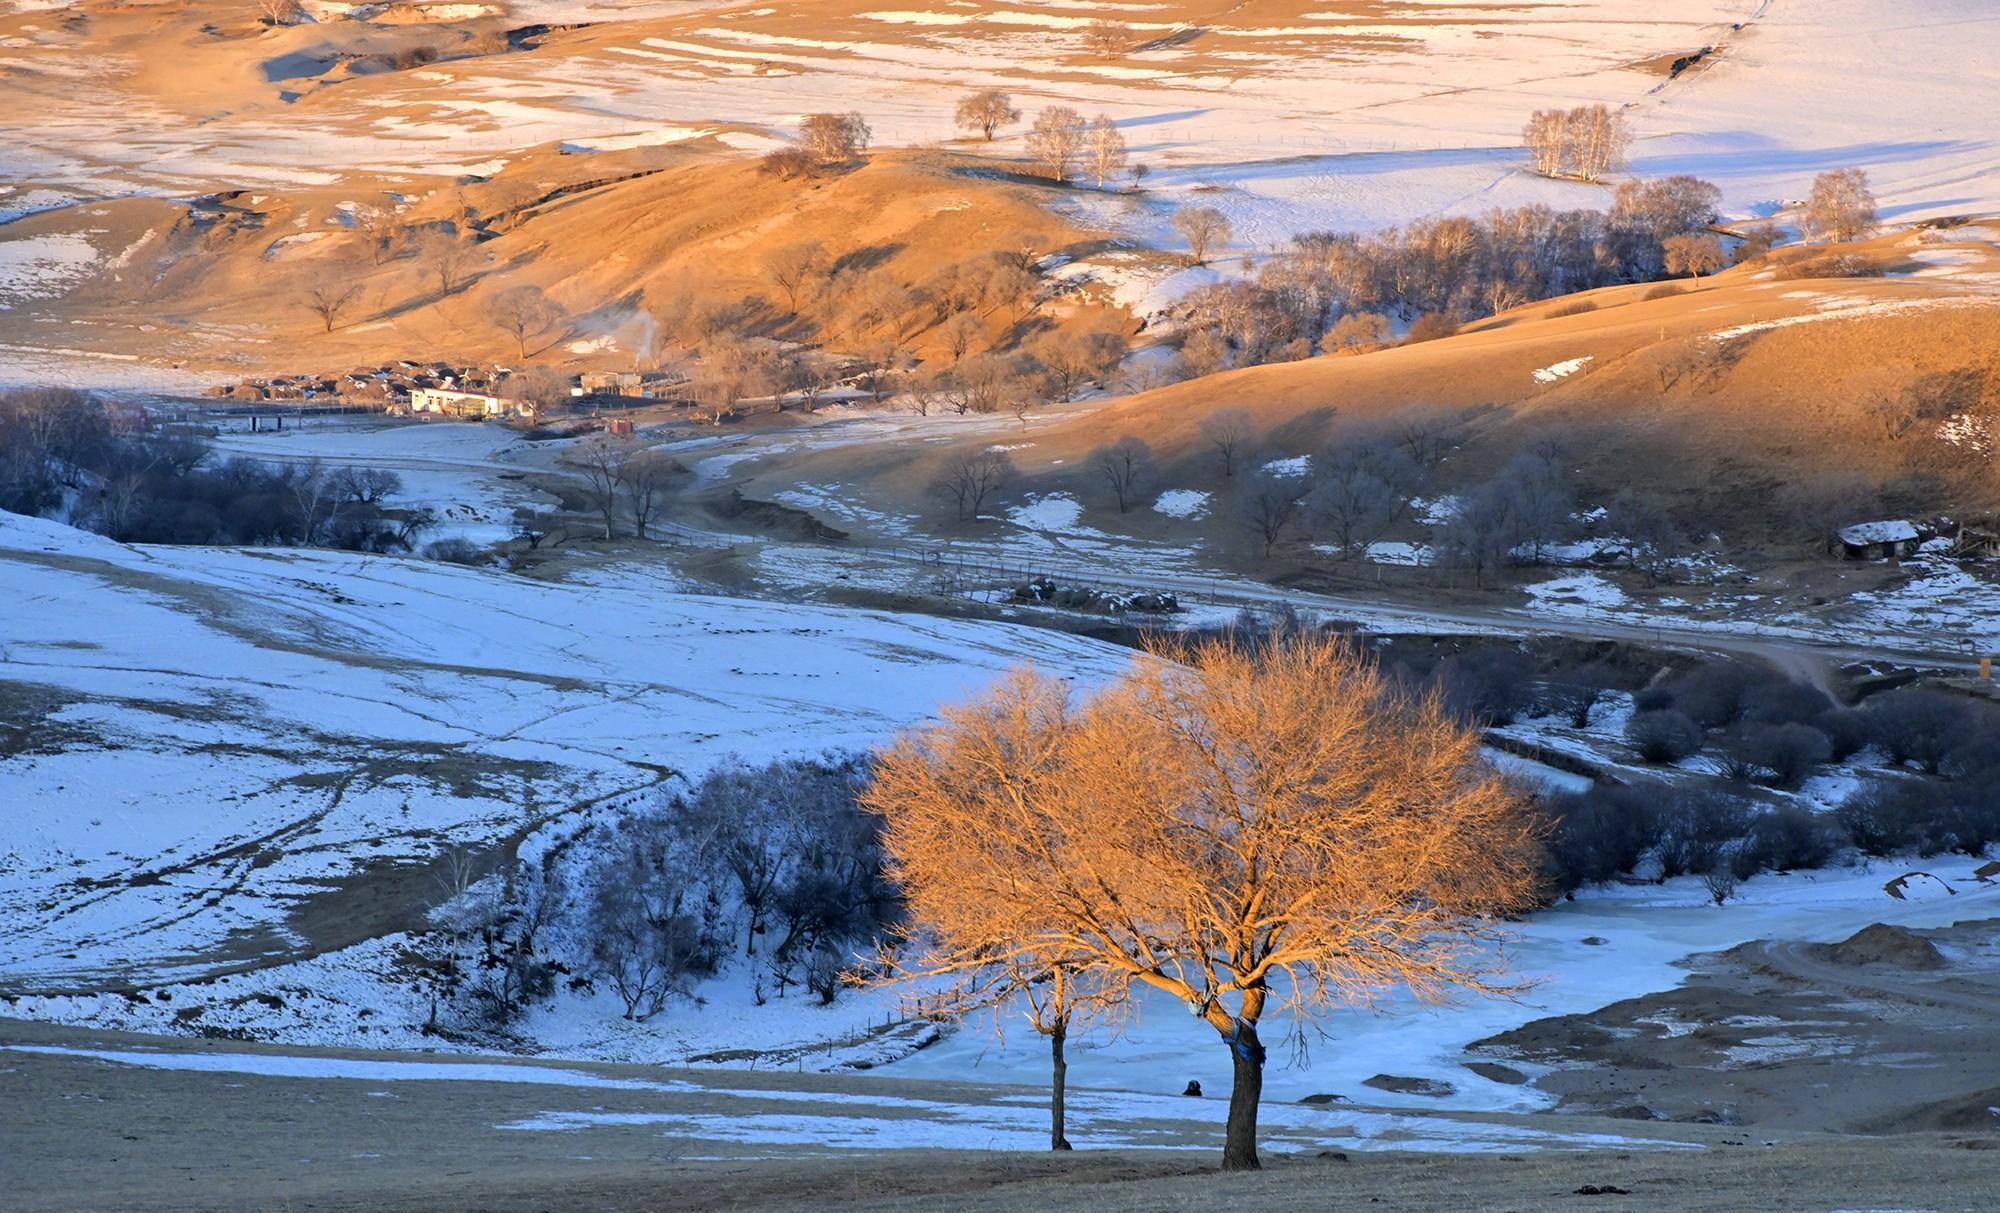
1783	701
1786	838
1652	699
1918	726
1844	730
1575	307
455	550
1715	694
1575	697
1720	880
1596	835
1787	753
1488	686
1841	265
1693	826
1665	290
1663	735
1896	815
1976	755
1430	327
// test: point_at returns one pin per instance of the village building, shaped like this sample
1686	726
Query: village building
630	385
1886	540
452	402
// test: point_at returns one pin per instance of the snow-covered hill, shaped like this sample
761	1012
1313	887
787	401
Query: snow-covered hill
196	743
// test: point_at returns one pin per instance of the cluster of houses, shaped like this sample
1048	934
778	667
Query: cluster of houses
439	388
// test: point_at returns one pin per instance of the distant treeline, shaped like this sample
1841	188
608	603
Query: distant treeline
1332	291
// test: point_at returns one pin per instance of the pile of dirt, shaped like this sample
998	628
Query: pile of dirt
1882	944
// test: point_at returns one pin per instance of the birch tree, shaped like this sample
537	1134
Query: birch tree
1105	150
1056	142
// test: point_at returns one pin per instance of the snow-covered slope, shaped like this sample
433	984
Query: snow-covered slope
1903	90
195	742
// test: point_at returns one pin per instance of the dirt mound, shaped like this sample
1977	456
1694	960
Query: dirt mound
1882	944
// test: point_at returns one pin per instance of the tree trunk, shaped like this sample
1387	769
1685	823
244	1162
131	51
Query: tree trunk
1239	1141
1058	1080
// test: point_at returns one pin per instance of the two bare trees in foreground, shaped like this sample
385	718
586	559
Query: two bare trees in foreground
1241	827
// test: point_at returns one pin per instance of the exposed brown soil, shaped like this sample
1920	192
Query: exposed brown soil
1889	1031
83	1134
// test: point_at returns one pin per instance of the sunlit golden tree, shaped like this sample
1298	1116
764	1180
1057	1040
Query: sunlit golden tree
1242	827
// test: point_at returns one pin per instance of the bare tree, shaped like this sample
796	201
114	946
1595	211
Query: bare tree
1104	150
333	294
524	312
926	389
1693	254
1237	826
795	268
377	226
645	476
1075	359
731	371
1203	227
598	458
1203	352
1426	437
448	257
1585	142
1758	239
1546	138
1359	492
536	391
1841	206
1695	361
1269	506
1227	432
1123	465
1655	542
1057	141
1106	37
969	479
959	333
1598	137
280	12
986	111
833	138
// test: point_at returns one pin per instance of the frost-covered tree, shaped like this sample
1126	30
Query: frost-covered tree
1104	150
1057	142
1841	206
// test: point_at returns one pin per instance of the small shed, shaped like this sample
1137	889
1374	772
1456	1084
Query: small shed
1887	540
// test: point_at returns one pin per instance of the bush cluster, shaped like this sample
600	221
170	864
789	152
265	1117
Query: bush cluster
775	864
137	484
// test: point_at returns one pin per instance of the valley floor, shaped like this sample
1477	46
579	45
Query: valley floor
83	1132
